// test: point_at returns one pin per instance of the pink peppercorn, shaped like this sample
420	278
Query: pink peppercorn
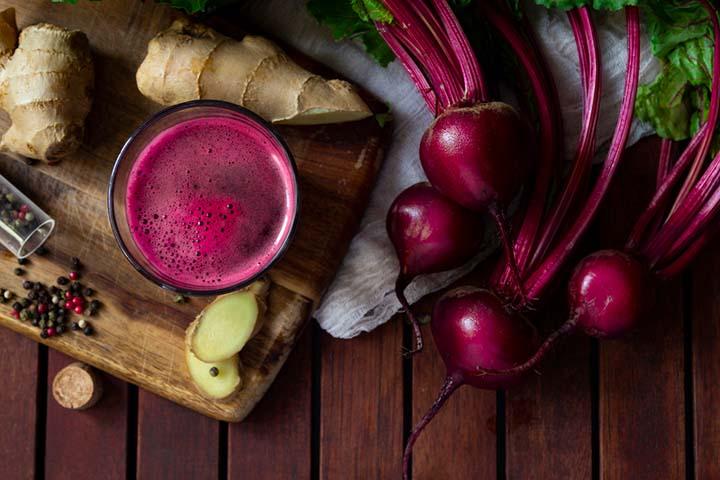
68	305
74	275
78	309
51	332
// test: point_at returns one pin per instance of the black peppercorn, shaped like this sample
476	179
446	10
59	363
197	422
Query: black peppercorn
88	330
88	292
95	304
63	280
35	322
27	285
75	287
17	306
59	329
76	265
18	271
37	286
22	261
214	372
32	295
75	326
44	334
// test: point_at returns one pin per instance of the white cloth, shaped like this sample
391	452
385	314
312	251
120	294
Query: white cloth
361	296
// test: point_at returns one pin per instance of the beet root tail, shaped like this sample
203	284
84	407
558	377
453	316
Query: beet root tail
452	382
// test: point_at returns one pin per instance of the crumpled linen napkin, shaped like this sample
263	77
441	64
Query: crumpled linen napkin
361	296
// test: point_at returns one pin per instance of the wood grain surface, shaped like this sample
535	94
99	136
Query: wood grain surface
140	330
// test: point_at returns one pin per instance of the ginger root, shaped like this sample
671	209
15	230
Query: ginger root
224	327
190	61
45	87
216	380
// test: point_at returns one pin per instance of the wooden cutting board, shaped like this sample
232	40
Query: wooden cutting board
140	330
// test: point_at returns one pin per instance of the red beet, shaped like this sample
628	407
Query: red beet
475	332
478	156
430	234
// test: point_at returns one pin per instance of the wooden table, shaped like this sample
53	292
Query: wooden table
643	408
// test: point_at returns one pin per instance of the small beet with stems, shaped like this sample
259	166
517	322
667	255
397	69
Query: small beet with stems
474	330
430	234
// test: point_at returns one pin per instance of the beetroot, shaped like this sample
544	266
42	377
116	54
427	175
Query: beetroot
430	234
607	294
474	155
474	331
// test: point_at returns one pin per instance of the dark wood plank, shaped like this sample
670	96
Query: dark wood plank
19	370
361	421
174	442
90	443
461	441
283	418
641	405
706	363
548	418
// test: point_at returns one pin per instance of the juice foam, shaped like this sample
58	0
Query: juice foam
210	202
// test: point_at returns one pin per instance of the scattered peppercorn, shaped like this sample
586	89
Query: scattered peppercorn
76	265
82	323
7	295
75	326
22	261
88	292
74	275
88	330
214	372
27	284
18	271
62	281
60	329
43	334
35	322
180	299
17	306
95	304
32	295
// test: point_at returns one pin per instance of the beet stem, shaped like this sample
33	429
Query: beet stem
586	39
550	121
662	195
451	383
546	271
565	329
400	286
506	241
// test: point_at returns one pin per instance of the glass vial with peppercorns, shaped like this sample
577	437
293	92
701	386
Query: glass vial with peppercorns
24	227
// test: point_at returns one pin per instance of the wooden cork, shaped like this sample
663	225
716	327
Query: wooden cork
77	387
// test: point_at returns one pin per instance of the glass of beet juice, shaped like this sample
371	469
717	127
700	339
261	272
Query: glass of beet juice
203	198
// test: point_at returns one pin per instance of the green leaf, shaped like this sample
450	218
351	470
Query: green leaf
348	19
596	4
677	101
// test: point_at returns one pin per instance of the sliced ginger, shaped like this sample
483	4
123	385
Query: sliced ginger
190	61
224	327
216	380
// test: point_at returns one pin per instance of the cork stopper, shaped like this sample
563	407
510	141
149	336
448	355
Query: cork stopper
77	387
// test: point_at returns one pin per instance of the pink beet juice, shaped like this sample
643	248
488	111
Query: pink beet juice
211	202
